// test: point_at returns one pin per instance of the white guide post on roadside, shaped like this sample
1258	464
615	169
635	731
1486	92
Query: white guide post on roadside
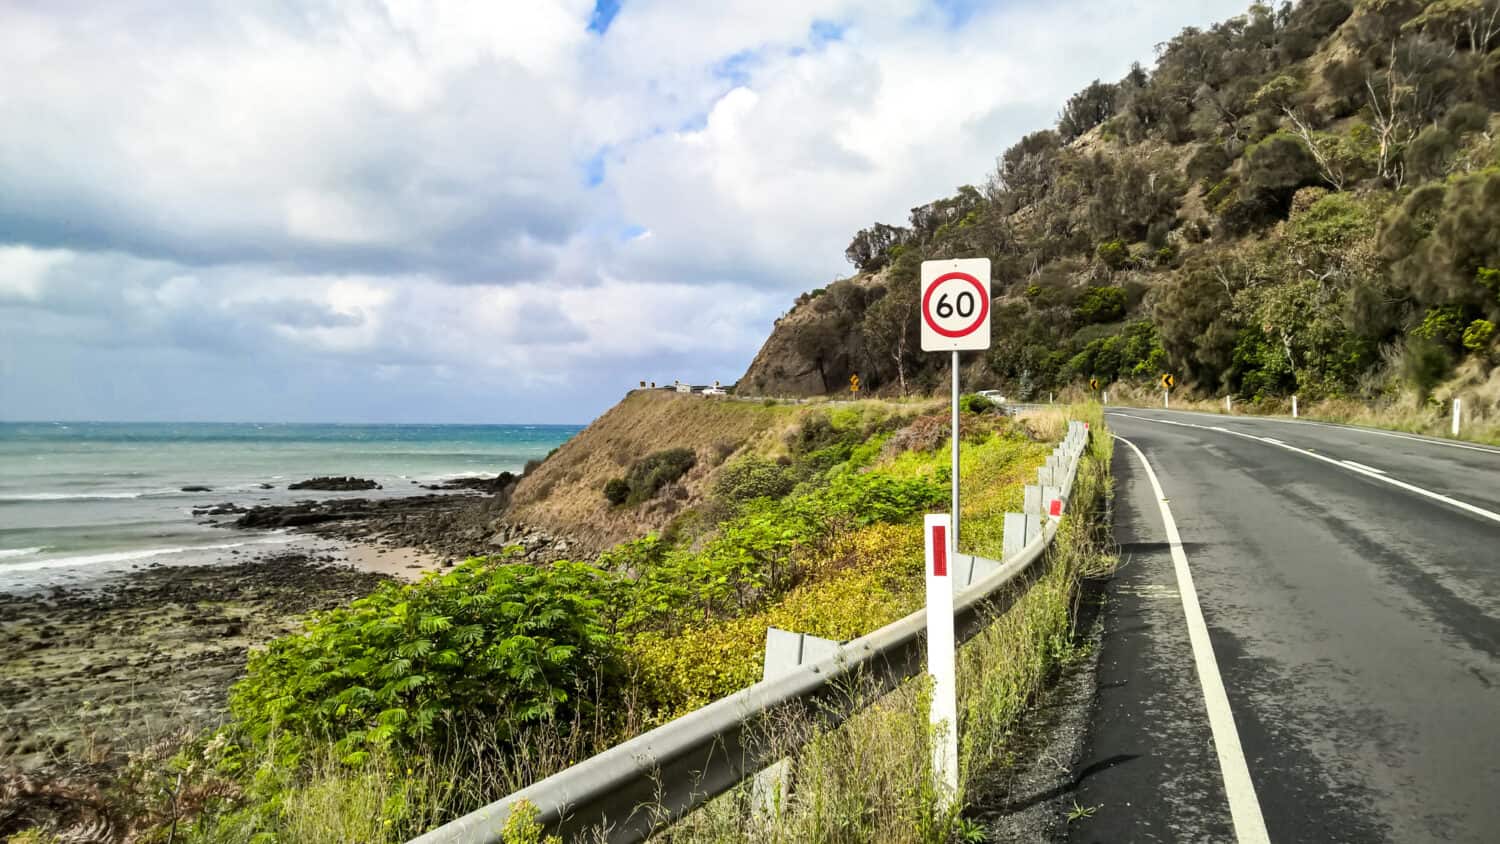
955	318
1457	414
1294	407
943	715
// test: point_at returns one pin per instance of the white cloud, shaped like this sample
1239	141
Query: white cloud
351	203
24	271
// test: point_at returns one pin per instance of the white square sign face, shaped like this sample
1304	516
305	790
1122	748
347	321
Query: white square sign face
956	305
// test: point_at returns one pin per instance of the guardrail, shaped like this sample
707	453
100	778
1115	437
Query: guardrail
640	786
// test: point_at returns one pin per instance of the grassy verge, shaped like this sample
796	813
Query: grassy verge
866	780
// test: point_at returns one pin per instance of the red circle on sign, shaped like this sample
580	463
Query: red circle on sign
984	304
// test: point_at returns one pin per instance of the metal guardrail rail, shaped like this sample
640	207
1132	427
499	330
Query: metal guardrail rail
640	786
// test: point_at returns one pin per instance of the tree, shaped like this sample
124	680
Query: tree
1086	109
1025	171
1444	237
870	250
1472	24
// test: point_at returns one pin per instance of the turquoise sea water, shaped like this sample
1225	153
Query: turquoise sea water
87	498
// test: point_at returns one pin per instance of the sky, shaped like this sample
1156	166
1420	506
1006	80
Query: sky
411	211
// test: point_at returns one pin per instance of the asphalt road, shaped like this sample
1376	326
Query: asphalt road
1355	624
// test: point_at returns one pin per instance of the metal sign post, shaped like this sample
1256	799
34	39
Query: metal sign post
955	318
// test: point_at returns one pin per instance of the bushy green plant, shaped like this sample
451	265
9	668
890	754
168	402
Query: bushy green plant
1113	253
1477	335
1100	304
752	476
508	643
649	474
616	491
974	403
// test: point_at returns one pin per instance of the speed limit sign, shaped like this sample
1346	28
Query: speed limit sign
956	305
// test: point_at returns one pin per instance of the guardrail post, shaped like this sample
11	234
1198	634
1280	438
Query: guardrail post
785	651
1457	414
1031	502
1013	539
968	568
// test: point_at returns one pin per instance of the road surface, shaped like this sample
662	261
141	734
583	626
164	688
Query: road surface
1348	585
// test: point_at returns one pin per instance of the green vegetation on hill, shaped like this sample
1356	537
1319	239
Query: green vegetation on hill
1303	199
427	700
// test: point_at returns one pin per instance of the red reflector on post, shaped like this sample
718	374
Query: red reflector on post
939	551
1054	508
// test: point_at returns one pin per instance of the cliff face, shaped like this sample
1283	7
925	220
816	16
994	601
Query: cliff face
815	348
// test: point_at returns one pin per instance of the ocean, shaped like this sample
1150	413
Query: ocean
80	500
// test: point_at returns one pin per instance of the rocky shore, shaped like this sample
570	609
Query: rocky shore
465	520
93	678
87	675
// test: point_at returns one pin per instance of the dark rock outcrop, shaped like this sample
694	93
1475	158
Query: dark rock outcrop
332	484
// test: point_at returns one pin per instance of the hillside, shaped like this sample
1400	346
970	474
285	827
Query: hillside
1298	200
565	494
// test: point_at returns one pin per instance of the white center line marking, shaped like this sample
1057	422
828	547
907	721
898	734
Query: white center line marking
1362	467
1353	467
1244	807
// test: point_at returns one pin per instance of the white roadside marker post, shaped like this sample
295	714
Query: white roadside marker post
943	714
1294	407
1457	414
1165	399
1228	404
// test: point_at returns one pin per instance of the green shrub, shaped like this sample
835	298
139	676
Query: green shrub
1477	335
509	644
616	491
974	403
1443	324
752	476
1101	304
654	471
1113	253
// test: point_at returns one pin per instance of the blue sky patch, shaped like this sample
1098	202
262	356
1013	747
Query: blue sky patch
736	69
824	32
956	13
604	15
593	168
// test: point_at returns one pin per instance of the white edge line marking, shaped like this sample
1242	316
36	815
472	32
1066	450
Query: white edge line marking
1244	807
1358	429
1362	467
1366	471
